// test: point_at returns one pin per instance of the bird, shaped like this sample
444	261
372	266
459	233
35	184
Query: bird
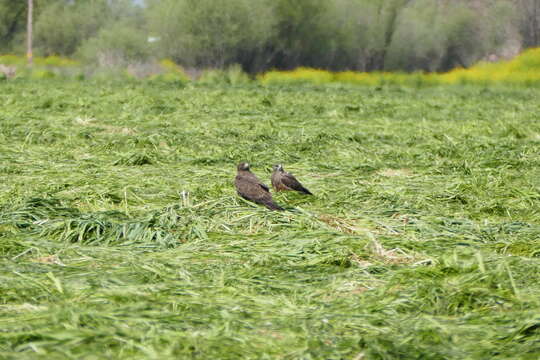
251	188
284	181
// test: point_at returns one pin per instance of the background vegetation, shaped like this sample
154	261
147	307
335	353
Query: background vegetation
121	235
361	35
522	71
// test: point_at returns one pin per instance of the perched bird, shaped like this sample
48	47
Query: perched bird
283	181
250	188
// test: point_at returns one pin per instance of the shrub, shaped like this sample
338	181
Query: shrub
79	21
209	33
117	45
298	76
55	61
523	70
170	73
233	75
12	60
435	36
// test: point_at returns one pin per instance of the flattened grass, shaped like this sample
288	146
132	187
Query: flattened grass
121	235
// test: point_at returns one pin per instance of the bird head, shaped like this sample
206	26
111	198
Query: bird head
243	166
278	167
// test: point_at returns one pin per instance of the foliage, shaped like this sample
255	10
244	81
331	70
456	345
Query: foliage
369	27
121	235
233	75
11	22
337	35
210	33
117	45
80	21
528	21
300	75
435	36
307	34
12	60
170	72
43	67
524	70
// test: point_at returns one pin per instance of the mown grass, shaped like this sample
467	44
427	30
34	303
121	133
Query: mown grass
121	235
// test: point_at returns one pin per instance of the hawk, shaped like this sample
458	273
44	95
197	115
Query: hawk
283	181
250	188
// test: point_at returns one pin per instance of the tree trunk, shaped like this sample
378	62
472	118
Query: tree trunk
29	32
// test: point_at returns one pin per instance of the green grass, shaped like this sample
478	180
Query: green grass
121	235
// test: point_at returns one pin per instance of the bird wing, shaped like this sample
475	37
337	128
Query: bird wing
274	180
251	190
254	179
290	181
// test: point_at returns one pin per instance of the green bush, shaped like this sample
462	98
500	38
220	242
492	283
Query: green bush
435	36
116	45
307	33
233	75
210	33
12	25
259	35
170	73
61	28
42	74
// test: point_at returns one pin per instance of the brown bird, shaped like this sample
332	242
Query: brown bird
284	181
250	188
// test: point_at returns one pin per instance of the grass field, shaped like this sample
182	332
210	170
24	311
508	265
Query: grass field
121	235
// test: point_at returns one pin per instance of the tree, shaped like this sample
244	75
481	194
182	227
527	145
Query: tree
529	24
438	36
382	22
29	24
210	33
12	20
80	21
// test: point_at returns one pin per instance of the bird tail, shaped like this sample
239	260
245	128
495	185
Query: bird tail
273	206
305	191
